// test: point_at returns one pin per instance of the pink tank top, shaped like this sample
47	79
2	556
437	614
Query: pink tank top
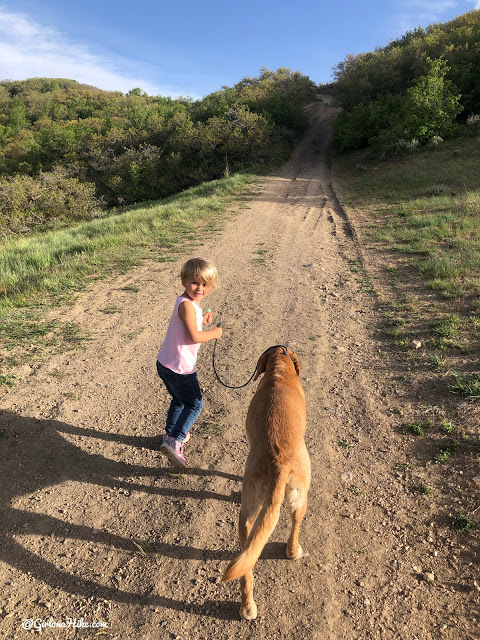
178	352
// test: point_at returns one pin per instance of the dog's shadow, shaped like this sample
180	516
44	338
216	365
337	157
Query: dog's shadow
36	454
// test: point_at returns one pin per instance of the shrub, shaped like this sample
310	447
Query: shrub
398	123
433	104
55	195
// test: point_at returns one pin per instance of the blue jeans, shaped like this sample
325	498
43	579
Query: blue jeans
186	404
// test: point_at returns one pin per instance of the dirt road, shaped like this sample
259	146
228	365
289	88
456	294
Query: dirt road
96	526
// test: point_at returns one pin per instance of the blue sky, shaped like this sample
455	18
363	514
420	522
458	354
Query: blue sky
192	48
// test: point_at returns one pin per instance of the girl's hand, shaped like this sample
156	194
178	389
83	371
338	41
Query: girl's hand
207	317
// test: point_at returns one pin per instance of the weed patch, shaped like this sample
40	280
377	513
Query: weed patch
447	448
355	490
424	489
467	386
8	380
415	429
461	522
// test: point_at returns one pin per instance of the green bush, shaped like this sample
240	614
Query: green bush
52	196
136	147
398	123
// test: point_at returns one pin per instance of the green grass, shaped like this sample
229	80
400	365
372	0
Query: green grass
8	380
447	448
355	490
42	270
447	427
209	426
461	522
437	362
425	206
415	429
467	386
446	327
58	262
421	212
110	310
419	216
424	489
442	456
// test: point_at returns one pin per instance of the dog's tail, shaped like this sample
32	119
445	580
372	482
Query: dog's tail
261	530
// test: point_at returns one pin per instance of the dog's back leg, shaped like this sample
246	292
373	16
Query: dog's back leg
251	504
296	498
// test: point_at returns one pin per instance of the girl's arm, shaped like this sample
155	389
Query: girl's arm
187	315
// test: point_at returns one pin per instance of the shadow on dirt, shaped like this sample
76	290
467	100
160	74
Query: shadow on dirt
37	454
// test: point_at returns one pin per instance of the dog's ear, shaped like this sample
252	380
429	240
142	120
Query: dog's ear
296	363
261	365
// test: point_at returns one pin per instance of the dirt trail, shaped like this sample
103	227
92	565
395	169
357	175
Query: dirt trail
97	527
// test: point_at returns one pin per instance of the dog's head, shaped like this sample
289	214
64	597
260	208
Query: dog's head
271	355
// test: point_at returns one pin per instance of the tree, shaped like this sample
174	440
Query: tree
17	119
433	104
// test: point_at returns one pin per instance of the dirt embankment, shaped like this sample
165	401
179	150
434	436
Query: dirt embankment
96	526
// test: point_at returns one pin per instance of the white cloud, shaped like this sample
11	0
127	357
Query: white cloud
434	6
31	50
426	12
429	11
434	9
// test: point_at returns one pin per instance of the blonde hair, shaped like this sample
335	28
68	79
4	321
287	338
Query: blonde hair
199	268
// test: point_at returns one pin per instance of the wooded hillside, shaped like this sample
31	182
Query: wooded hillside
417	88
67	149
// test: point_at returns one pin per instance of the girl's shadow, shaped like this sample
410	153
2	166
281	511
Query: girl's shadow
34	455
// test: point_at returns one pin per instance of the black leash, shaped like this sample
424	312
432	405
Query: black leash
229	386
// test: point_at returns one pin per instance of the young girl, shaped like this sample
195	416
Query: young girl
178	355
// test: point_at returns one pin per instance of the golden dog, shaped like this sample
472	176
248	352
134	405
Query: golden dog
277	467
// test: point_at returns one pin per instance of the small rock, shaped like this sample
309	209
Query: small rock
416	344
338	348
428	576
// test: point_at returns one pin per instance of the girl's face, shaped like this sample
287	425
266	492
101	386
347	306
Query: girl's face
196	289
